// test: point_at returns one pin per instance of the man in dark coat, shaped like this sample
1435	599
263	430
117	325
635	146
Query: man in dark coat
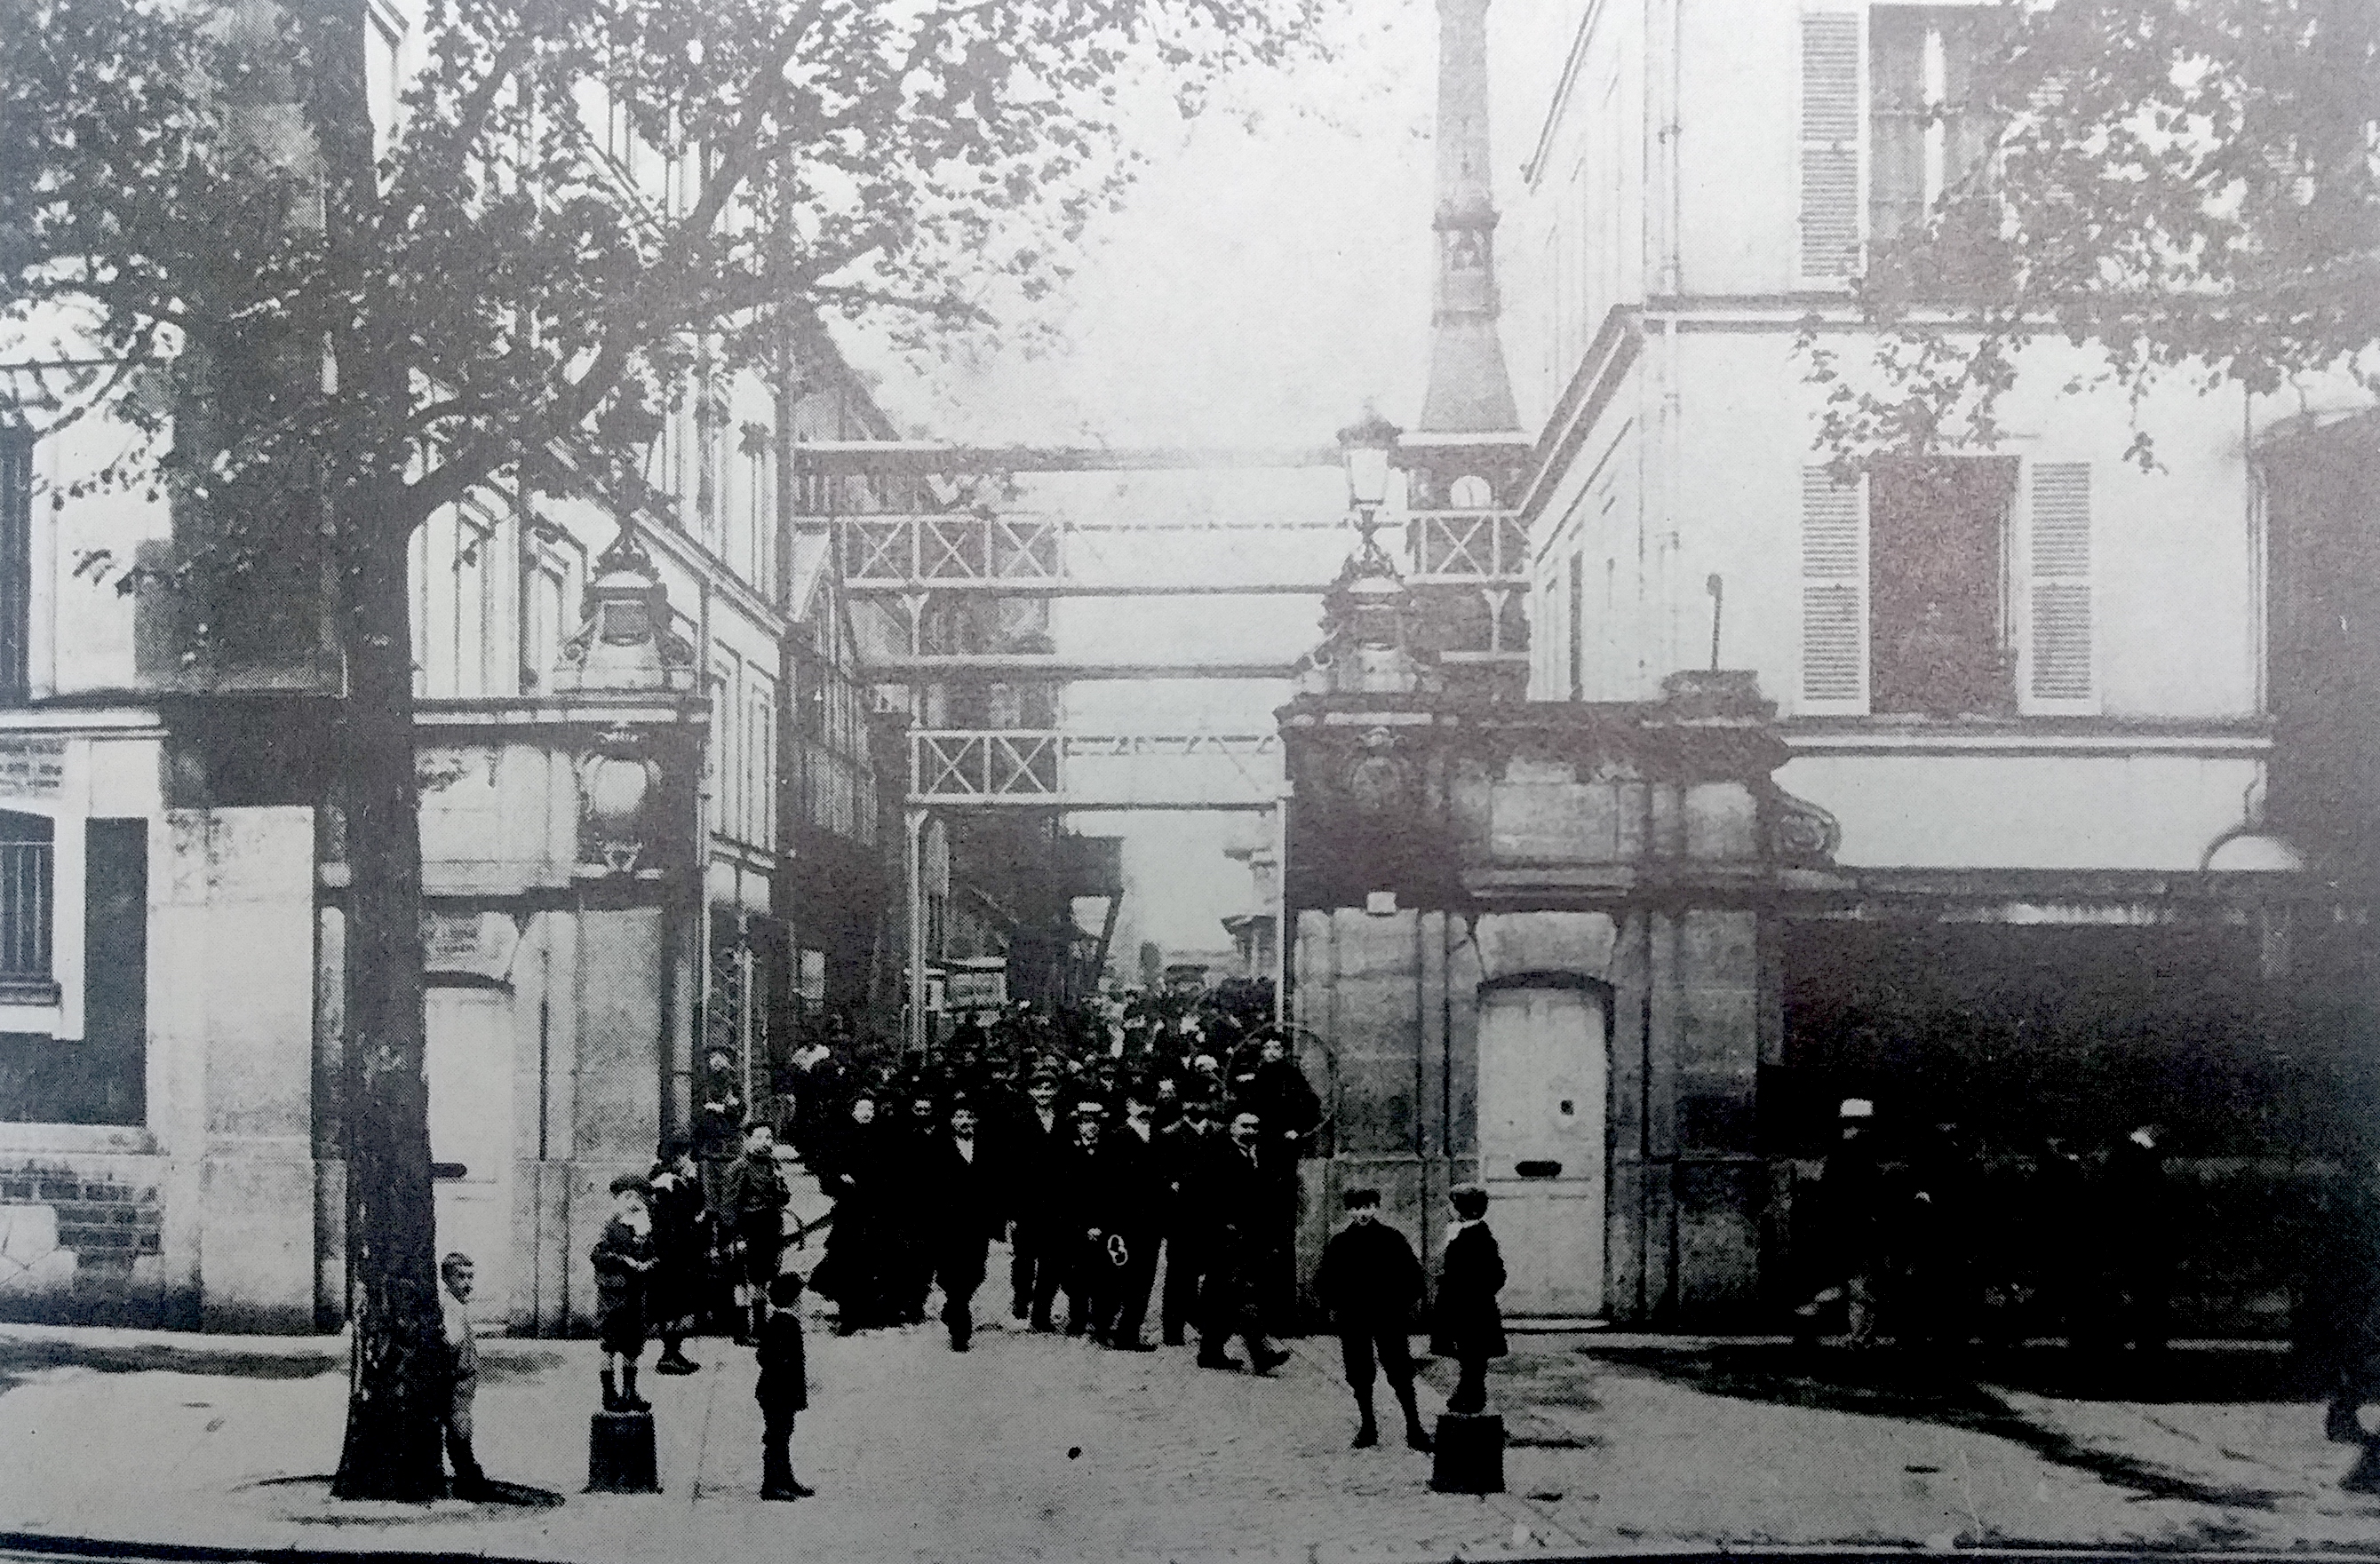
1085	1221
681	1241
967	1196
2337	1328
1466	1325
1132	1166
782	1389
1030	1160
623	1260
1940	1293
1235	1195
1370	1281
2138	1240
911	1151
754	1203
1284	1103
718	1123
1846	1221
822	1084
1188	1150
853	1170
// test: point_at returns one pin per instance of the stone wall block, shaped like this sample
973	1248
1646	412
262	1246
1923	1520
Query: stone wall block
1720	948
1510	944
616	1077
1718	1239
1722	821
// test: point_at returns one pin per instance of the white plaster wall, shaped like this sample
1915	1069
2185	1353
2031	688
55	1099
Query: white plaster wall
230	1059
82	627
2177	572
2136	811
1737	143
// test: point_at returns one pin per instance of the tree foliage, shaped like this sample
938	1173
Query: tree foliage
583	212
2189	188
518	272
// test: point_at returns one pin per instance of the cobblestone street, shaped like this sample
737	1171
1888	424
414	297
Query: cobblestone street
1041	1447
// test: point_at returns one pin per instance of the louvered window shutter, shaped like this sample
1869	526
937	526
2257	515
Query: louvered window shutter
1830	144
2058	642
1834	596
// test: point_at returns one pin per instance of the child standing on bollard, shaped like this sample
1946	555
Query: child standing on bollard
1467	1325
783	1388
623	1259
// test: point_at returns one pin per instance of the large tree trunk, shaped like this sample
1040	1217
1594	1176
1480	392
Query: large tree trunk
397	1380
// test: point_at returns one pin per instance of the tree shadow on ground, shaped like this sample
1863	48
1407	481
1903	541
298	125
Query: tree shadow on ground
1912	1389
21	1360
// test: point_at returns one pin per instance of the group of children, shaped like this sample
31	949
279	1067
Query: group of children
624	1257
1370	1279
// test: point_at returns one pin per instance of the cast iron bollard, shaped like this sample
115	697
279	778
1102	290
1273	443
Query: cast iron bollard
620	1454
1470	1457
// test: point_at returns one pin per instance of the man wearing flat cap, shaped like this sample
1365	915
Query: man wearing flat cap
1370	1281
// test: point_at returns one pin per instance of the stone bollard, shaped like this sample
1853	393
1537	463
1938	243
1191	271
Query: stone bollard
620	1454
1470	1455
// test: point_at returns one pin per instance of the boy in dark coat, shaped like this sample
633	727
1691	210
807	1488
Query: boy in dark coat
623	1260
1370	1281
681	1243
1466	1325
783	1388
755	1202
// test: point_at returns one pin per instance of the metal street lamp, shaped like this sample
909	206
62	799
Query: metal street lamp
1365	449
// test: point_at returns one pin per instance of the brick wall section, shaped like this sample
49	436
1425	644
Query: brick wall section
106	1225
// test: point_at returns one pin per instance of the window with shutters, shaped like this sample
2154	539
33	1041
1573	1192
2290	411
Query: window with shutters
1926	132
1890	122
1955	586
1938	612
2060	657
1830	143
16	563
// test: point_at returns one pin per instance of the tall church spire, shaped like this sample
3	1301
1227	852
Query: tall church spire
1470	392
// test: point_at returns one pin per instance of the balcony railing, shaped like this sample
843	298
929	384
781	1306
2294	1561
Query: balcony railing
1489	545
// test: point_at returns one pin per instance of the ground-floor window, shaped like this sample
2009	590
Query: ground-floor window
101	1078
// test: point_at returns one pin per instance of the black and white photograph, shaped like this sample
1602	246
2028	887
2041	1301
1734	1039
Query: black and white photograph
1299	781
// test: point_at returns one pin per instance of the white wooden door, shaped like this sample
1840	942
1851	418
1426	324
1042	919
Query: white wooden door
469	1064
1541	1144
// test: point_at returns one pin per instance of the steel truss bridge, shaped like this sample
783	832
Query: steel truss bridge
968	547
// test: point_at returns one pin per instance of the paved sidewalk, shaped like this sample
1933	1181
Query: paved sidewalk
1039	1447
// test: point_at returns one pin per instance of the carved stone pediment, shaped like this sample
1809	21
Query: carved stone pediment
1800	833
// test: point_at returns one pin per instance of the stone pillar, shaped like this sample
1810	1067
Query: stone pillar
235	1055
615	1073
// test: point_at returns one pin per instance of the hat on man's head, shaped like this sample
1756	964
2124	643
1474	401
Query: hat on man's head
785	1289
1856	1107
626	1182
1469	1202
1361	1199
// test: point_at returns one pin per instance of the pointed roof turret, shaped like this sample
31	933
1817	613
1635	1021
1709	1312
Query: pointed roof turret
1470	389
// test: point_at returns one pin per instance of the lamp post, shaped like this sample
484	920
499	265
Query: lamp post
1365	448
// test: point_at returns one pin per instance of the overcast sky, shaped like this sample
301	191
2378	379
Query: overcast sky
1270	274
